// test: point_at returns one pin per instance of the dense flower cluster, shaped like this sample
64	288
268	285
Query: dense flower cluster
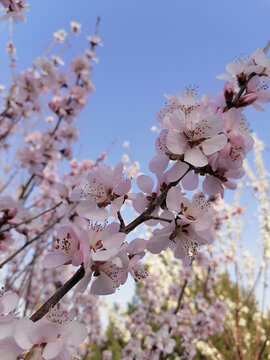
53	338
203	310
154	327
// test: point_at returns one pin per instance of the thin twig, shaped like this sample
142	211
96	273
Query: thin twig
33	218
264	345
159	219
238	333
155	203
180	297
26	186
30	242
240	92
56	126
266	47
120	218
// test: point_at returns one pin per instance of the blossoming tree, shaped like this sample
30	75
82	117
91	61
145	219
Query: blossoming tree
208	310
54	224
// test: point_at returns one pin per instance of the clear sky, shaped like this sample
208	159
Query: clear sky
151	47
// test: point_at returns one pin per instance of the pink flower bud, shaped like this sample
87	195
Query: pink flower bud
12	213
228	92
246	100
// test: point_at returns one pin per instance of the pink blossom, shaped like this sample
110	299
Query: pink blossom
195	140
242	68
112	261
261	90
48	71
141	200
72	246
226	165
192	130
107	355
59	332
14	9
197	212
27	333
71	334
9	349
6	3
192	227
164	341
102	186
105	243
81	65
8	303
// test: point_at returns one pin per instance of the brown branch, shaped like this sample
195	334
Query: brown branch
57	125
53	300
25	187
11	280
121	220
159	219
80	273
252	289
206	282
155	203
266	47
161	355
240	92
180	297
28	290
264	345
244	86
238	332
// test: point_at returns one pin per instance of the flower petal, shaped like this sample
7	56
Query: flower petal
190	181
103	285
9	301
176	142
88	209
214	144
195	157
158	164
55	259
176	171
158	243
145	183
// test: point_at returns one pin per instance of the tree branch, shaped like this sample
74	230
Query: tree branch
29	243
155	203
53	300
33	218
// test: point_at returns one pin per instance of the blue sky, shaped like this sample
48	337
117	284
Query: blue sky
151	47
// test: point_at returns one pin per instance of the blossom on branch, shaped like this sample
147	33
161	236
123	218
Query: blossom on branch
103	186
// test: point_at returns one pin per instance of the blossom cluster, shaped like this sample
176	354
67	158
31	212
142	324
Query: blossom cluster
153	328
14	9
56	337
